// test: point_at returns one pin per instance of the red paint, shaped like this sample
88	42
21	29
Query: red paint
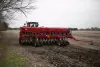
45	32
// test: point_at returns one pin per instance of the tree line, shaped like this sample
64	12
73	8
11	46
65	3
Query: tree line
90	29
86	29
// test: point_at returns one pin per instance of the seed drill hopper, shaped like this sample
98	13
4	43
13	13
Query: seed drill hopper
31	33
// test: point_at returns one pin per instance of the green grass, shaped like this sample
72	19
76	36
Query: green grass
11	59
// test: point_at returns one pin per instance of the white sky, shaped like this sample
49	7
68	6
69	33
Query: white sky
64	13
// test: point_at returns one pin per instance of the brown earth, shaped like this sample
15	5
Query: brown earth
77	54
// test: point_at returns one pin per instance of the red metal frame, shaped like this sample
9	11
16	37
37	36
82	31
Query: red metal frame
45	31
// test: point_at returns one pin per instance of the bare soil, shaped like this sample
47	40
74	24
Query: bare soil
77	54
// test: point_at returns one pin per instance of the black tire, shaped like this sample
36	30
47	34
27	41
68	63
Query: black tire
20	41
41	43
65	43
60	43
37	43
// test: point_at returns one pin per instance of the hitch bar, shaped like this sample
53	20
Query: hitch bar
73	38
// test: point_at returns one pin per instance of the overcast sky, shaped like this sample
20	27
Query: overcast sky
64	13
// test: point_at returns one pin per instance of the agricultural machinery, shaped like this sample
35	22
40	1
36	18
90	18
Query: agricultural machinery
31	33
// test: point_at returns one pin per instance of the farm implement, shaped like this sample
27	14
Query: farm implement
30	33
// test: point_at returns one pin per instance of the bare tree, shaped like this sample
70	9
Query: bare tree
9	7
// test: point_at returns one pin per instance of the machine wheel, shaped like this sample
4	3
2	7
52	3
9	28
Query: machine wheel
20	41
65	43
59	43
41	43
37	43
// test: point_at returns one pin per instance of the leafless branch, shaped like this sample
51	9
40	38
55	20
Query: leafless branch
16	4
12	6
